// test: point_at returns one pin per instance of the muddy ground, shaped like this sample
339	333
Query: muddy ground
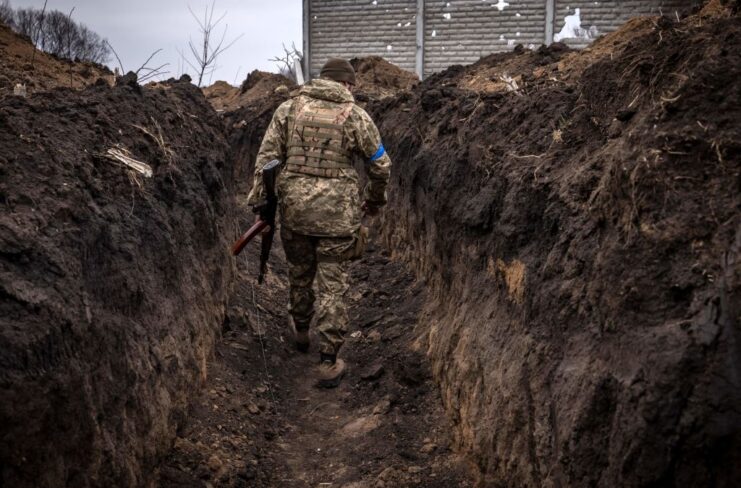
262	423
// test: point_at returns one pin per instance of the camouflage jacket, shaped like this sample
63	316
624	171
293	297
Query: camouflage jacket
316	205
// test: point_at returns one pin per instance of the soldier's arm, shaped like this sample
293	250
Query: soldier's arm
377	161
273	147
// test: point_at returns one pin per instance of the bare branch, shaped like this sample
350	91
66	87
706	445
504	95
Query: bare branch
205	55
120	64
143	66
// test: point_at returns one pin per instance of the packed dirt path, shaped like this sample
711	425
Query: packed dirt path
262	423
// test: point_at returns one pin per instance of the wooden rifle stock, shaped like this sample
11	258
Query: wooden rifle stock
258	227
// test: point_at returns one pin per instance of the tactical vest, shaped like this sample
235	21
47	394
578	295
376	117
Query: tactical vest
316	144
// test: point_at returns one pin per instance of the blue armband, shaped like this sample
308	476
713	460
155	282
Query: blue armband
381	151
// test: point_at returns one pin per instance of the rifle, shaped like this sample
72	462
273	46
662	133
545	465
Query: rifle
267	211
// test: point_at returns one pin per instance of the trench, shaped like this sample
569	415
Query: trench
551	297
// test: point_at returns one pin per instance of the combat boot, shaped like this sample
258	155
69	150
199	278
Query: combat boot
330	371
302	340
301	336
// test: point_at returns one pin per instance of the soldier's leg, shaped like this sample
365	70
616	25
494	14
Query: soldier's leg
332	285
302	265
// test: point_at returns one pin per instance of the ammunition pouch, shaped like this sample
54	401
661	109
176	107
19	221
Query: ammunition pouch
316	144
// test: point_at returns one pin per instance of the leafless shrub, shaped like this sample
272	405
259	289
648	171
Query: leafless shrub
207	51
287	62
56	33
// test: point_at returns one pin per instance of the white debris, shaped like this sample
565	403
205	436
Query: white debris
434	33
500	5
374	2
123	156
510	82
501	37
572	28
389	47
407	24
511	42
447	16
19	90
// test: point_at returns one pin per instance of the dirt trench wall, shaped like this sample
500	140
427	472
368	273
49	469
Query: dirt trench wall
581	243
113	284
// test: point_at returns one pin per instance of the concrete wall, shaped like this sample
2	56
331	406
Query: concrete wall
459	31
357	28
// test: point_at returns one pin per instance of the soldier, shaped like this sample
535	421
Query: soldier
316	135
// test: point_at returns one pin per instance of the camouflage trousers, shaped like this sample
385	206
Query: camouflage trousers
318	261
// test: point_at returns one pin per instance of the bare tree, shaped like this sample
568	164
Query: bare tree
39	31
7	16
25	20
210	47
287	62
56	33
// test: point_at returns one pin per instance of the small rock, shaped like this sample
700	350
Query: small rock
373	372
386	474
374	336
282	90
361	426
383	407
415	469
428	448
356	334
253	409
214	463
625	114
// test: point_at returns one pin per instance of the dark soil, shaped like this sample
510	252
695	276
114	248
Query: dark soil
377	78
263	423
258	85
113	285
580	240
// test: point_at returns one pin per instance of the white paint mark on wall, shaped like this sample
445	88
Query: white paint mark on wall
500	5
511	42
389	48
447	16
434	33
374	2
501	37
572	28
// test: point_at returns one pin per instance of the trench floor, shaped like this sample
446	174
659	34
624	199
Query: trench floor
261	423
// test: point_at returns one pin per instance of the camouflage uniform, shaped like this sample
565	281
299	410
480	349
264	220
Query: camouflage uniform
316	134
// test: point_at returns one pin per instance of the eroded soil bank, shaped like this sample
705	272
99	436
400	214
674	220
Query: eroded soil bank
576	217
113	283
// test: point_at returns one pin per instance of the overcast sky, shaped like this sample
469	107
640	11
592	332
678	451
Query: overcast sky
136	28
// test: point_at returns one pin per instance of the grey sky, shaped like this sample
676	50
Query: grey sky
136	28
